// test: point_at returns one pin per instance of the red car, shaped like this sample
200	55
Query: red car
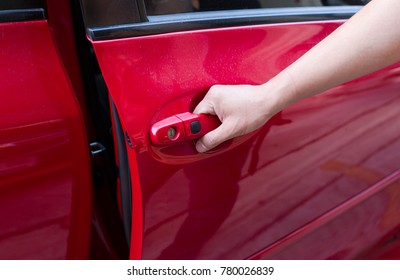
96	136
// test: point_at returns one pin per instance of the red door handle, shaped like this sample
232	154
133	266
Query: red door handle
182	127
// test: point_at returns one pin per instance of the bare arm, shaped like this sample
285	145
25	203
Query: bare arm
370	40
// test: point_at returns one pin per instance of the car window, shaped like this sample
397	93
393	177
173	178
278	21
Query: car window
162	7
21	4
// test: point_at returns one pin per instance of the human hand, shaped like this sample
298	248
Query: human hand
241	109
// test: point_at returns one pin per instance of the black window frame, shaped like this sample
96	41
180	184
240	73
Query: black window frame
22	10
205	20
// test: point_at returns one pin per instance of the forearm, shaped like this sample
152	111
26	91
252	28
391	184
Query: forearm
367	42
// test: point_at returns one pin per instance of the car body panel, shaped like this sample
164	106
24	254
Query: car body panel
45	177
342	231
257	190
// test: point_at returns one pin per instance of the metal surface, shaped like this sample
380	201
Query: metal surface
307	161
45	184
96	148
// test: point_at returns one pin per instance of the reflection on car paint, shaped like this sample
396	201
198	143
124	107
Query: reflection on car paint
237	202
44	169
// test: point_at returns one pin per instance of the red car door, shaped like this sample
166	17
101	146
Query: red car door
45	177
320	180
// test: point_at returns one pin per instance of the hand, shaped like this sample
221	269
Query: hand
336	59
241	109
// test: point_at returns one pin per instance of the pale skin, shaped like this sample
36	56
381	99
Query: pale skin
369	41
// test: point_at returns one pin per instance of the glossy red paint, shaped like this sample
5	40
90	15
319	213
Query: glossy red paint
137	209
45	183
62	29
266	188
324	229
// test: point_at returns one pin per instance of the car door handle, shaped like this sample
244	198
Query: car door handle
182	127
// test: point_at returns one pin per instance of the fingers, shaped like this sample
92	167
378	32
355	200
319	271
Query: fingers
214	138
211	105
204	107
207	105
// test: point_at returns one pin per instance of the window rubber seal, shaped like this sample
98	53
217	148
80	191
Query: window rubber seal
217	19
18	15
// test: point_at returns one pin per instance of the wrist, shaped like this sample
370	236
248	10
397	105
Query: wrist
278	93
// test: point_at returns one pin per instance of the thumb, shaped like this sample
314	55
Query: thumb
214	138
204	107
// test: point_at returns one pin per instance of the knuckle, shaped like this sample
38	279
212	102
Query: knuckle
215	89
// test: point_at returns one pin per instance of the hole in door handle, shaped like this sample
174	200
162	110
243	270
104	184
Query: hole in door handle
182	127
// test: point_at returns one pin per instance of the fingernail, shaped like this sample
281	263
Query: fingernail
200	147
